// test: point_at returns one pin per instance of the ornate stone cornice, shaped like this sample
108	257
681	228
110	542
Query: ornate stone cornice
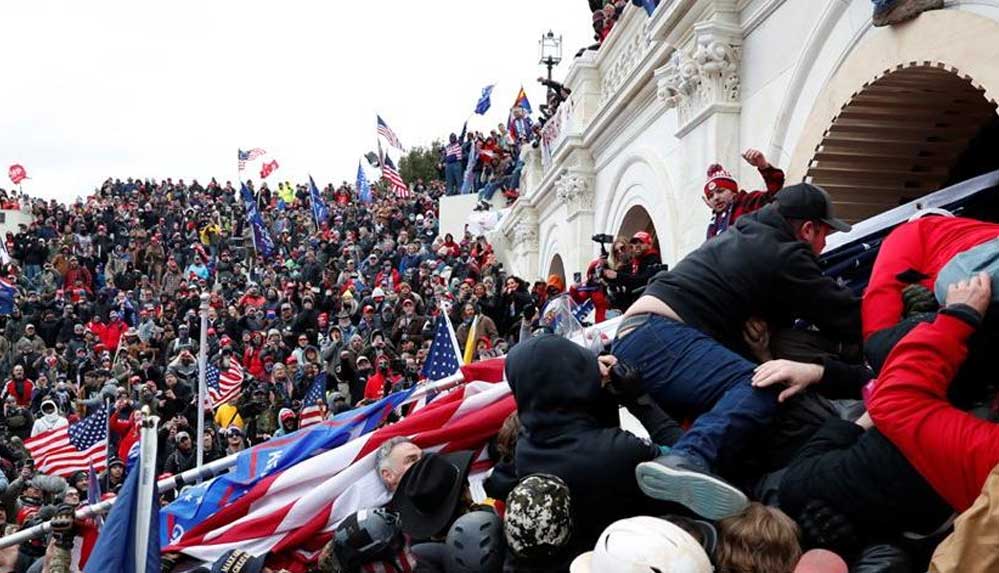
525	229
703	78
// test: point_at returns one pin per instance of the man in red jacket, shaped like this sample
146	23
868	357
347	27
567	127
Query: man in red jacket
914	253
952	449
728	202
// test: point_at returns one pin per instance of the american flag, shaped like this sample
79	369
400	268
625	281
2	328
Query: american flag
391	174
224	386
250	155
314	403
385	131
291	514
444	359
74	448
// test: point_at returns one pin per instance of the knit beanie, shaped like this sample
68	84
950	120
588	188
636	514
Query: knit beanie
719	178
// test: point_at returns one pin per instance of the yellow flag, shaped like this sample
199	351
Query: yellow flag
470	341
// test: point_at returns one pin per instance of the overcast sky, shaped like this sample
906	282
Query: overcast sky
144	89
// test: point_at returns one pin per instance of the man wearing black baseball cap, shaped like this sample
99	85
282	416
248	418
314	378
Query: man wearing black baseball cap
686	336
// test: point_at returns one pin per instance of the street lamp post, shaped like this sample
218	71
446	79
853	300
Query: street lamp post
550	50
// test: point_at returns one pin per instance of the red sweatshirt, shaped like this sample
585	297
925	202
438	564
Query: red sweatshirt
925	246
952	449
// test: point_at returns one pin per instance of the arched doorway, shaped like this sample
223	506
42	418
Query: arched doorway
557	267
635	220
911	131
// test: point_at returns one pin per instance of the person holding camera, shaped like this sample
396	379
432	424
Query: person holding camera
628	279
567	400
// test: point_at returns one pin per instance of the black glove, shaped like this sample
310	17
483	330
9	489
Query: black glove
827	528
64	526
625	381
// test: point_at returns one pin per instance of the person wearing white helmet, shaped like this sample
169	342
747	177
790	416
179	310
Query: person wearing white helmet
642	545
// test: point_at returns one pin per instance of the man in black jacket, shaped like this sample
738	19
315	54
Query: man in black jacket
570	428
685	335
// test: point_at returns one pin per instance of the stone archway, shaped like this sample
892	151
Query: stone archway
557	267
909	132
637	219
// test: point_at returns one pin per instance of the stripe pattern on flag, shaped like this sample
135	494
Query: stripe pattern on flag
313	404
292	513
224	386
391	174
385	131
64	451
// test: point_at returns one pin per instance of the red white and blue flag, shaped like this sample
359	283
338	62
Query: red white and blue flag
385	131
74	448
224	386
250	155
391	174
314	404
290	515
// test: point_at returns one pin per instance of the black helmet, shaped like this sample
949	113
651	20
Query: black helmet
475	544
366	536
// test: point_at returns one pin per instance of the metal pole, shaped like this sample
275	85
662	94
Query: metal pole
147	481
202	389
207	471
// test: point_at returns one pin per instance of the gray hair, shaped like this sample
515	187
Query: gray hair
381	456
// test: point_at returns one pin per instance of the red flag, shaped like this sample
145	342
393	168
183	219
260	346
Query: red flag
17	173
268	168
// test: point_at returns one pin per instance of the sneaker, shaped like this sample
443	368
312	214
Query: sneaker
904	10
678	479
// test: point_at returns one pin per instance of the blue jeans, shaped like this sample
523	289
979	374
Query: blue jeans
689	373
453	177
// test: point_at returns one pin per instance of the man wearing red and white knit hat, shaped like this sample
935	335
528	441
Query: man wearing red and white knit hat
728	202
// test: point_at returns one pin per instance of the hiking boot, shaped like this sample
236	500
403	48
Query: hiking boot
903	10
682	480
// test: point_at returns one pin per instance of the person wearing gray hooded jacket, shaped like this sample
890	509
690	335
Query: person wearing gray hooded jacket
49	420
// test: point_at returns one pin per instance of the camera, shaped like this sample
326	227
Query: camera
602	238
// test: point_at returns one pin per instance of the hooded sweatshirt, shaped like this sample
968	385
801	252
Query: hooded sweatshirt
569	429
47	422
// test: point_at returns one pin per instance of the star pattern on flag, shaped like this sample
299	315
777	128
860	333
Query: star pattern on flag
443	359
91	430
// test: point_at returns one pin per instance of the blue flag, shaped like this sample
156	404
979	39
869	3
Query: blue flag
262	240
363	187
320	212
484	102
649	5
468	181
7	294
273	456
115	548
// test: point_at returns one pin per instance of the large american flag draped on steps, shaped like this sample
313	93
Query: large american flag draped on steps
385	131
66	450
224	386
250	155
291	514
391	174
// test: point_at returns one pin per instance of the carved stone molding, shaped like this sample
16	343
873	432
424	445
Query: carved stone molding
630	48
702	78
575	190
525	229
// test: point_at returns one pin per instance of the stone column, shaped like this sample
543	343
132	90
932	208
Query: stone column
574	189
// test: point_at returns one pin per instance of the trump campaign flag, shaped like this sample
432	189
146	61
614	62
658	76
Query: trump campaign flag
484	101
262	240
363	187
262	462
291	514
320	212
7	294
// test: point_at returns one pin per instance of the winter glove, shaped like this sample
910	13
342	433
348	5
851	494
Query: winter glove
63	526
625	382
824	527
917	299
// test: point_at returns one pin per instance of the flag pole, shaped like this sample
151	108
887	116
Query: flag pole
148	439
204	472
202	366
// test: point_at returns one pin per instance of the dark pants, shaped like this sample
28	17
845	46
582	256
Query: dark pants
689	373
452	177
